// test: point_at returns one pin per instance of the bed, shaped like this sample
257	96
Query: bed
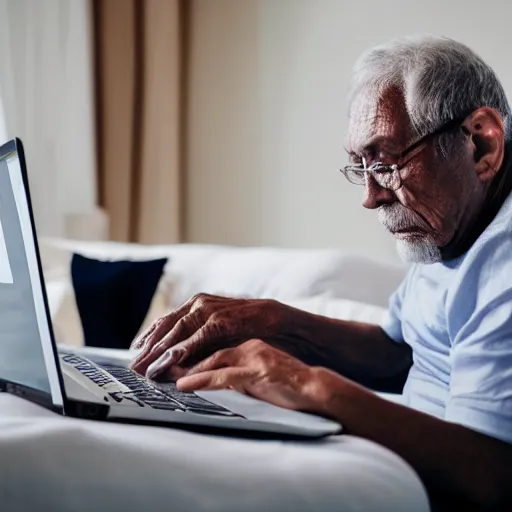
55	463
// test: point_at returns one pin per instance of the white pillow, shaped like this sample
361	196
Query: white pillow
68	328
244	271
282	274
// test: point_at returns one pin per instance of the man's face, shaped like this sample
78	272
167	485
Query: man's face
437	195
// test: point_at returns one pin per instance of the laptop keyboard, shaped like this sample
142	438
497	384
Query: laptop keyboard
140	390
163	395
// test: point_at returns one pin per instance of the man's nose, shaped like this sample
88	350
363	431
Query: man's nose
375	195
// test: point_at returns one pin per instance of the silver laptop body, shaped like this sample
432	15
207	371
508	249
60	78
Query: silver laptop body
86	384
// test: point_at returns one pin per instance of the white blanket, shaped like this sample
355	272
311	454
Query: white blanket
49	462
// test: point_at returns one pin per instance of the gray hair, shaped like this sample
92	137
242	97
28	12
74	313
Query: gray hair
440	79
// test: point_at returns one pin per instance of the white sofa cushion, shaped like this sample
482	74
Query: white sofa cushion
238	271
326	282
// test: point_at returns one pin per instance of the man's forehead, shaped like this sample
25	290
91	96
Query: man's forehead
380	116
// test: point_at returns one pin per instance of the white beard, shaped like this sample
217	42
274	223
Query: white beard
418	251
414	250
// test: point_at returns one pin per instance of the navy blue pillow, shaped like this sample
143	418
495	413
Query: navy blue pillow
113	298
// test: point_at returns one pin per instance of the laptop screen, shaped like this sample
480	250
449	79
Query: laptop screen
26	346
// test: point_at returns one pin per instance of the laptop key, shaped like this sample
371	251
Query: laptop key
163	395
190	401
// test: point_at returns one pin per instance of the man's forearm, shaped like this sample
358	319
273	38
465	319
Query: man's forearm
358	350
454	462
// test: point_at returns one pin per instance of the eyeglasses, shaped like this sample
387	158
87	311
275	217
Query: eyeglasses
389	176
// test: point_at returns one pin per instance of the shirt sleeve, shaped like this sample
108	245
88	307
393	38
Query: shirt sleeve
392	322
480	325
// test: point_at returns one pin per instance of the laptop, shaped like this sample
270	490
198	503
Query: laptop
81	384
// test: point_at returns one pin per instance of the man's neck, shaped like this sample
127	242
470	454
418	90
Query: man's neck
498	191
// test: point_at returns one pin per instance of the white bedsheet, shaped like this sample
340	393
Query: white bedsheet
52	463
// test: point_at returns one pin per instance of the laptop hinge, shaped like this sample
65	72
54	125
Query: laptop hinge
86	410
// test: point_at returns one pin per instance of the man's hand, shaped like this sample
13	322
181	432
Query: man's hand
207	323
260	370
456	464
203	325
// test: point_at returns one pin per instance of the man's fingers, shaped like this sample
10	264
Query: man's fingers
214	379
220	359
206	341
182	329
156	332
173	373
157	362
153	336
141	340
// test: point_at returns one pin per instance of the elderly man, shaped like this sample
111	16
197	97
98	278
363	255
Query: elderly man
429	139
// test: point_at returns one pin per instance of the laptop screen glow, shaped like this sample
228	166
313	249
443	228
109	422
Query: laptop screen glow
26	350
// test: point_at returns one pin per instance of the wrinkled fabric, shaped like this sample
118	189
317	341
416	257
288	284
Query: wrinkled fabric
50	462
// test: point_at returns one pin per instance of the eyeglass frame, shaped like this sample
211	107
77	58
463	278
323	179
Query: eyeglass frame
379	167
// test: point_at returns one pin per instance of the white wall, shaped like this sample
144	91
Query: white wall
267	112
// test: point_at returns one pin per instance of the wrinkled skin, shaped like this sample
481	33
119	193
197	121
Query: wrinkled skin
440	196
257	369
204	324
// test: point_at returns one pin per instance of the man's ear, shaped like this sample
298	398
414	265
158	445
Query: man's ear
485	127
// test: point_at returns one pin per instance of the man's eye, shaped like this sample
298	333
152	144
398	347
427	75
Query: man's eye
386	157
